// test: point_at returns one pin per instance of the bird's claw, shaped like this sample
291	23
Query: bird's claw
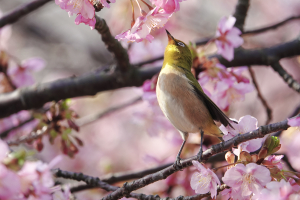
199	155
177	164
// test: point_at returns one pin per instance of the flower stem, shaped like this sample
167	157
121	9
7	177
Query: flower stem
149	7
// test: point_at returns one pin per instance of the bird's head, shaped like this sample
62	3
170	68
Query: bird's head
177	53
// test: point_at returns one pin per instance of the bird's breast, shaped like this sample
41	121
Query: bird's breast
179	103
174	94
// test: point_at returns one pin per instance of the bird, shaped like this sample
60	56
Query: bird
182	99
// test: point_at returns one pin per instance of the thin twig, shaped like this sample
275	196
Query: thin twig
292	83
259	94
137	184
91	118
21	11
5	133
28	138
267	28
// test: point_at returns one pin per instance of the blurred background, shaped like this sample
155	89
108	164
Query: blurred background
124	140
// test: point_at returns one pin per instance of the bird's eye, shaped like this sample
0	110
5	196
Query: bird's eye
180	44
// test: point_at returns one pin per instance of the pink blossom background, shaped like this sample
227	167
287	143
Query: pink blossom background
119	142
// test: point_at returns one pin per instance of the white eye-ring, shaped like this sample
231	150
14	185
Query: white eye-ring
181	44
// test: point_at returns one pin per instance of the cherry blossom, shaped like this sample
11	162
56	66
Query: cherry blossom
276	190
80	19
10	185
245	124
84	9
228	91
36	178
169	6
237	72
233	195
143	25
205	181
227	37
105	4
247	179
21	75
273	160
214	72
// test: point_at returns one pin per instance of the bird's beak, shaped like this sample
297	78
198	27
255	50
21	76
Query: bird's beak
170	37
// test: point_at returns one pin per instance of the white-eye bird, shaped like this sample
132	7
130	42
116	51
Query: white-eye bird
182	99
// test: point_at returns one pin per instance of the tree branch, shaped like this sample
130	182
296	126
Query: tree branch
205	40
95	181
264	56
286	77
262	99
89	84
119	177
137	184
113	45
37	95
240	13
21	11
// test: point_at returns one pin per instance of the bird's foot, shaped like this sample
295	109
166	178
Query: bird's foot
199	155
177	164
222	143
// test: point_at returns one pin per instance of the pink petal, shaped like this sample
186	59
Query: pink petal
34	64
294	122
248	123
261	173
229	23
80	19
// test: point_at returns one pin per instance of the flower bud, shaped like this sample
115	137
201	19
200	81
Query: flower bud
254	158
229	157
263	153
3	59
272	144
245	156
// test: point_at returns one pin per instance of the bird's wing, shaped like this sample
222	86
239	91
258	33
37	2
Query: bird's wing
214	110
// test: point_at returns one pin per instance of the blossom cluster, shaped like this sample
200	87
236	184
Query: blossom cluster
256	176
21	179
229	84
15	74
60	123
157	17
83	9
